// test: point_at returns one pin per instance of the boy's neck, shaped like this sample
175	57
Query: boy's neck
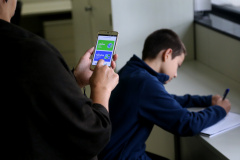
154	64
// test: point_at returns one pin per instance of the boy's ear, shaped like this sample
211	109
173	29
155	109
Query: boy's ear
167	54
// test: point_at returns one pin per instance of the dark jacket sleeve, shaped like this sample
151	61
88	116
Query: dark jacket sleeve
164	110
188	100
65	118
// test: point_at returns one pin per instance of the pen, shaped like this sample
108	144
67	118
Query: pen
225	93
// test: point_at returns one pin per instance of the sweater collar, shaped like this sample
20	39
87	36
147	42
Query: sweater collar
140	63
3	21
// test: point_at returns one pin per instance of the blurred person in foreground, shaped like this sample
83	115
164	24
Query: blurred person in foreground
47	115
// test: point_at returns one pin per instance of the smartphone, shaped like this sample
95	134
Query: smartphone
105	48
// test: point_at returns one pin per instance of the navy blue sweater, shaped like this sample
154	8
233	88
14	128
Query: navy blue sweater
140	100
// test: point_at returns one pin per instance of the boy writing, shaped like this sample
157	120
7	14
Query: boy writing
140	100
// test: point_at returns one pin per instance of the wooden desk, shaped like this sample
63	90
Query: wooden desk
196	78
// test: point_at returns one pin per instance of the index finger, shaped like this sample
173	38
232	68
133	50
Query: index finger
100	62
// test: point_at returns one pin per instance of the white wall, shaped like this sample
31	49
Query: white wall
136	19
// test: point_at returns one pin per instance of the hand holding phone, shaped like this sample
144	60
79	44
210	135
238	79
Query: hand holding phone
102	82
104	48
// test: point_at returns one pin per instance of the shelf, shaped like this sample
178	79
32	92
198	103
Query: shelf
46	7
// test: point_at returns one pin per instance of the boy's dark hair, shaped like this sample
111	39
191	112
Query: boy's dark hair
161	40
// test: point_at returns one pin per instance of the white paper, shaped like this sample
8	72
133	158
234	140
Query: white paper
232	120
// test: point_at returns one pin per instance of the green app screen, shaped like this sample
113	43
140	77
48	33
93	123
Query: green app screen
105	45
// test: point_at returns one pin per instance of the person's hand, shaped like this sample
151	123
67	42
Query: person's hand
113	63
102	82
225	104
82	71
215	99
103	77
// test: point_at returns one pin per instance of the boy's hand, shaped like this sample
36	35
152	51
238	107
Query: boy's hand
225	104
215	99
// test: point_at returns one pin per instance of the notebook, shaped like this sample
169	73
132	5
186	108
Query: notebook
231	121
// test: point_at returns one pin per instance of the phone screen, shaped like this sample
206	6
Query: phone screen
104	49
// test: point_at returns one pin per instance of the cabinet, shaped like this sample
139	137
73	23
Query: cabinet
51	20
218	51
60	34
